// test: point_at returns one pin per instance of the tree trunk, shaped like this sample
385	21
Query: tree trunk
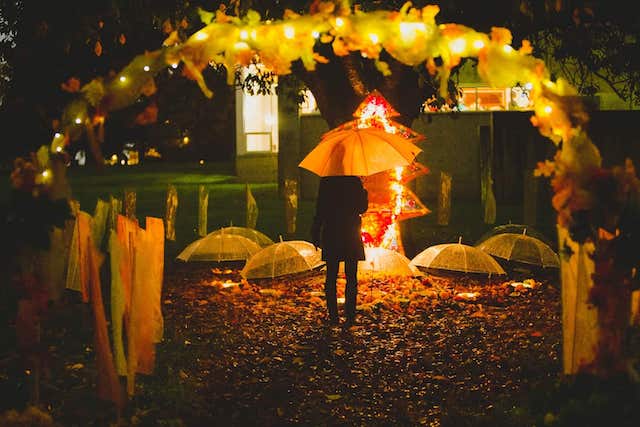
340	86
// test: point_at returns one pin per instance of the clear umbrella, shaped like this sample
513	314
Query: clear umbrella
260	238
281	259
517	229
520	248
219	247
457	257
386	261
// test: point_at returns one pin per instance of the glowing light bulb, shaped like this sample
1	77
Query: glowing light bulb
458	45
507	48
547	109
123	79
122	162
201	162
244	34
339	22
254	35
478	44
202	36
241	46
185	140
78	120
409	30
45	173
315	34
58	149
174	65
528	86
146	68
57	135
374	38
289	32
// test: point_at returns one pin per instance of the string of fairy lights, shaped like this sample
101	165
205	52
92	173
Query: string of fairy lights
410	35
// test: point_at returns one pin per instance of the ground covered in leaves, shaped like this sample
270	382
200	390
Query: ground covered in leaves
424	351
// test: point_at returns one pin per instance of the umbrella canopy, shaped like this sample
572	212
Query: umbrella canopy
281	259
219	247
386	261
514	228
360	152
520	248
260	238
459	258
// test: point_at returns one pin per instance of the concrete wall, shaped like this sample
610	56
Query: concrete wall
257	167
452	145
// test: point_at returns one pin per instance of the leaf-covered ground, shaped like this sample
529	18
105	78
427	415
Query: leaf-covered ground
424	351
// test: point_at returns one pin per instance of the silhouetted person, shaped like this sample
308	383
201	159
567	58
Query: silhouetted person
336	229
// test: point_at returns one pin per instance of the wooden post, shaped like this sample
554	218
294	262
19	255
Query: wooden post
170	212
130	203
115	209
203	210
291	204
444	199
252	209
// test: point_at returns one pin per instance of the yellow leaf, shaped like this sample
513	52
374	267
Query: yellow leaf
333	397
205	16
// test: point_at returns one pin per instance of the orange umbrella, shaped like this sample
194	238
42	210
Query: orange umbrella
360	152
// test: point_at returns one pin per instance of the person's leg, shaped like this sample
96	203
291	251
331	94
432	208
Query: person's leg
351	289
330	290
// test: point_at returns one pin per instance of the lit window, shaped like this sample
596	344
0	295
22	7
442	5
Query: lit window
308	106
483	99
258	121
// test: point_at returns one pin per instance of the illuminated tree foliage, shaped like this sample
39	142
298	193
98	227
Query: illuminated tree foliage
58	40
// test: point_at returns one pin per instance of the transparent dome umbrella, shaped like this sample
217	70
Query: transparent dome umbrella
386	261
260	238
520	248
457	257
281	259
517	229
219	247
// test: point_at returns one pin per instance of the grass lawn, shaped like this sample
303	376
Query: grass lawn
227	200
227	204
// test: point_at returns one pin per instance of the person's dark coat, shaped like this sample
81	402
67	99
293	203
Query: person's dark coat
336	225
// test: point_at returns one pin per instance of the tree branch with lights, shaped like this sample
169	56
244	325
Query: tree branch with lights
411	37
